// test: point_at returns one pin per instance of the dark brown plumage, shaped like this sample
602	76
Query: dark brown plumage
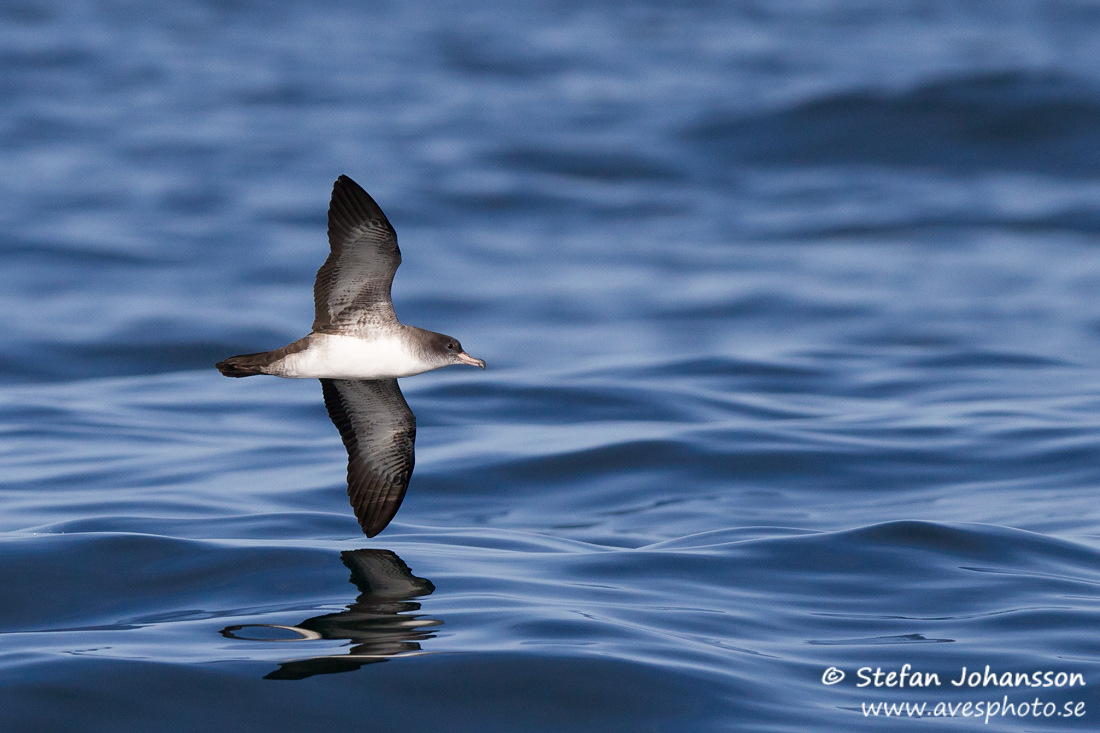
357	348
378	430
352	290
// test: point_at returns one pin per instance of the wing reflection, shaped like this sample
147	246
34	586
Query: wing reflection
379	624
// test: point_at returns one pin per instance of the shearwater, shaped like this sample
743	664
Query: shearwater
358	349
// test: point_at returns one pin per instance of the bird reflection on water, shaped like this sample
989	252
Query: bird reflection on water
379	623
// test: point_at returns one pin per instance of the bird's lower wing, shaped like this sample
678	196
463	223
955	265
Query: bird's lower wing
379	431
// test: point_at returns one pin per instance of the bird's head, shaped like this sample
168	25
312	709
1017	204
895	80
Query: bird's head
446	350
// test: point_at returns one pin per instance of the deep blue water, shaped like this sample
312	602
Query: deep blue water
793	335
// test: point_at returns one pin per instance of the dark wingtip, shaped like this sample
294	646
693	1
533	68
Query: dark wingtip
377	511
353	204
376	520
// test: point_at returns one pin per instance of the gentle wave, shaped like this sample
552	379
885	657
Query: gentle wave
1007	121
190	606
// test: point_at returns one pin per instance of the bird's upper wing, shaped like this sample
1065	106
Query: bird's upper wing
352	290
379	430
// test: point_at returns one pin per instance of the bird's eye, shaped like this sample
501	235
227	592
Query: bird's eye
451	346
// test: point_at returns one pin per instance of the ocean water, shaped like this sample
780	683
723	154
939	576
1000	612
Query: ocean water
791	317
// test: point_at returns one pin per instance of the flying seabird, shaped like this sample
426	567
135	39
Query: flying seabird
358	349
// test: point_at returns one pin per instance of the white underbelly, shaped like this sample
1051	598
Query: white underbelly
346	357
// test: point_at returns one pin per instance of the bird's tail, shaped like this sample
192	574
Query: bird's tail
246	365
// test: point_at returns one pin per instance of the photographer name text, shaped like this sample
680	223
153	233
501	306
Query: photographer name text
908	677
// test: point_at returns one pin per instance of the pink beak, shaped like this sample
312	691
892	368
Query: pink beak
467	359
